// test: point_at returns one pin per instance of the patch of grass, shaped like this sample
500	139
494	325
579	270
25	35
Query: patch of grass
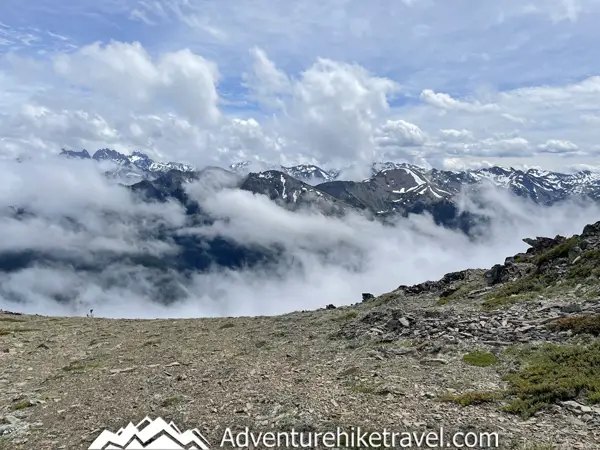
559	251
171	401
10	319
443	301
480	358
21	404
227	325
553	373
589	324
472	398
504	302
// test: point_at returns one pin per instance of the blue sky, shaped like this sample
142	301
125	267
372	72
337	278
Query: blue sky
449	83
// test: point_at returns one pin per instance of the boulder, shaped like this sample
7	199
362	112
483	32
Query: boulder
367	296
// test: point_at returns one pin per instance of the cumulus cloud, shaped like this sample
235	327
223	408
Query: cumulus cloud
399	133
332	109
182	80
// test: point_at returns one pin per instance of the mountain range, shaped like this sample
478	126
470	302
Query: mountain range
393	188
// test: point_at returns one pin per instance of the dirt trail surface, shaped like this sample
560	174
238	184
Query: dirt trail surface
64	380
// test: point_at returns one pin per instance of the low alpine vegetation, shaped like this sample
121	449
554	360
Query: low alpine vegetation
472	398
553	373
584	324
480	358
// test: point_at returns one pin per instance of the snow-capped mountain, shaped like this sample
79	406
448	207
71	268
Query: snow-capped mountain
136	165
291	192
310	173
307	173
246	167
392	188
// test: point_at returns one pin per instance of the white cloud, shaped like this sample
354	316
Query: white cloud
446	102
459	164
332	109
182	80
399	133
245	139
266	82
558	146
457	135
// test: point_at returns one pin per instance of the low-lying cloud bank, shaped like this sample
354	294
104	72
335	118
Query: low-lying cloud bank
70	209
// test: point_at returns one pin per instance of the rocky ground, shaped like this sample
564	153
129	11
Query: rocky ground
402	361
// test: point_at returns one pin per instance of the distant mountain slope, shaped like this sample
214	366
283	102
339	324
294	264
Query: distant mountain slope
137	165
292	193
392	186
307	173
